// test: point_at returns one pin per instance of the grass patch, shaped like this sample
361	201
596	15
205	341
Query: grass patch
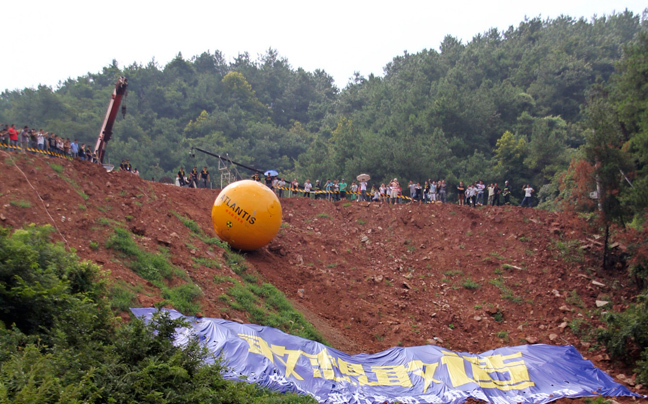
499	316
121	296
195	229
267	305
59	171
183	297
346	204
104	209
574	299
224	279
507	293
206	262
469	284
57	168
579	327
361	222
21	203
323	215
152	267
156	269
568	251
453	272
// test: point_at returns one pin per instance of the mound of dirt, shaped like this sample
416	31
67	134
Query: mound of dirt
368	276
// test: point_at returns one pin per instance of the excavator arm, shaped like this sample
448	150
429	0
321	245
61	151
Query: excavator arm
111	115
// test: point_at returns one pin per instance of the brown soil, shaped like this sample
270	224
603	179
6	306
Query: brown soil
368	276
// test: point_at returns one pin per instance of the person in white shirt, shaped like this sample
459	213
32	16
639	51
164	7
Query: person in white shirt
363	190
491	194
480	193
354	190
281	184
376	195
470	195
275	184
40	140
528	191
307	188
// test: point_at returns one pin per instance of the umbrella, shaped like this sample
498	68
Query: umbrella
271	173
363	177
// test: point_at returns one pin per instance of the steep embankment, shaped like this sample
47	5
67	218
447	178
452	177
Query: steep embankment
368	276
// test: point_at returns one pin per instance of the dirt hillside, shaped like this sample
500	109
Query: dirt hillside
367	276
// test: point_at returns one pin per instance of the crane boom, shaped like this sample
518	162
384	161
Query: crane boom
111	114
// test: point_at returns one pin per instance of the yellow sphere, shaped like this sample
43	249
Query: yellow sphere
246	215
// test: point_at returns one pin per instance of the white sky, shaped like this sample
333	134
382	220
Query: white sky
47	41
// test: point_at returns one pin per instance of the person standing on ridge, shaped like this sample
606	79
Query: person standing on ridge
204	176
24	139
193	178
461	193
13	135
182	177
343	188
528	192
507	193
363	191
496	198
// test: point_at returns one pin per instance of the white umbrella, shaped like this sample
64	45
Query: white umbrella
363	177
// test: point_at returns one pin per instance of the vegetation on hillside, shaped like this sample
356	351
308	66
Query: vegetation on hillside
59	341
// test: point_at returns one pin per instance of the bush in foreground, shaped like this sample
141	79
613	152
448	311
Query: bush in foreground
59	341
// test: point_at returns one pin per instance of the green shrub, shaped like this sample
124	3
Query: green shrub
626	336
183	297
66	348
121	298
39	279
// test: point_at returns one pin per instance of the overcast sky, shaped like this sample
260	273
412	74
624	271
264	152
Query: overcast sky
44	42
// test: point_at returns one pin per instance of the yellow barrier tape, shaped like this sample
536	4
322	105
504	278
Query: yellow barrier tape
335	192
37	151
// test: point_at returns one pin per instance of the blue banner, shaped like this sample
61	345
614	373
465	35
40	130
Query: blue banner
415	375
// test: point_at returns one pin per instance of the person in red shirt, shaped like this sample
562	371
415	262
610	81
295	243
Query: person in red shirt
13	135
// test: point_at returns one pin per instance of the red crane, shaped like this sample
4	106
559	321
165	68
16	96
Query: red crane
111	115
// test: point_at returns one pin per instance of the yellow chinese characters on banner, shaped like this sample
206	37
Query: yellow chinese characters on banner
497	371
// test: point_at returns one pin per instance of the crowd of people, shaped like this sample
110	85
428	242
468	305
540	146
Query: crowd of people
195	178
126	166
474	194
30	138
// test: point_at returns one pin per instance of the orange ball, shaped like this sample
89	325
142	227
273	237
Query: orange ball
246	215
